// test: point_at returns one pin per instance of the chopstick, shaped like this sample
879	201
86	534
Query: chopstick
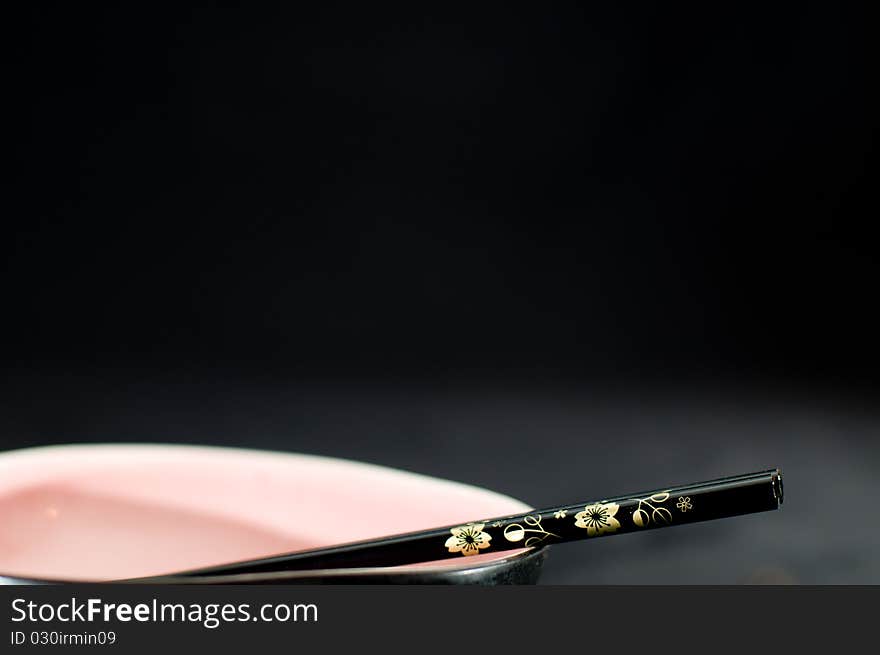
635	512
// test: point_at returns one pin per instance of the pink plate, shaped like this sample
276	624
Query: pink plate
104	512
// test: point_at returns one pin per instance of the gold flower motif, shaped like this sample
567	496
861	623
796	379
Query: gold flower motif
598	518
497	524
468	539
684	503
560	514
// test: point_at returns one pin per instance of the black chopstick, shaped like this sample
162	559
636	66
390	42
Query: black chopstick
702	501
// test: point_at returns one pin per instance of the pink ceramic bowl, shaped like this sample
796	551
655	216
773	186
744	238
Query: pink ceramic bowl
105	512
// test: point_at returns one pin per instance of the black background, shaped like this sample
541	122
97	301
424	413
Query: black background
483	242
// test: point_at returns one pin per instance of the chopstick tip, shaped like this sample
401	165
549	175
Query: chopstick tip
776	479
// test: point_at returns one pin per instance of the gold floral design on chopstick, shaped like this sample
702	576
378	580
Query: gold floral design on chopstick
468	539
684	503
659	514
598	518
517	532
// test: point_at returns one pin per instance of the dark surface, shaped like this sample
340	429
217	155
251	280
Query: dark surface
561	252
547	446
